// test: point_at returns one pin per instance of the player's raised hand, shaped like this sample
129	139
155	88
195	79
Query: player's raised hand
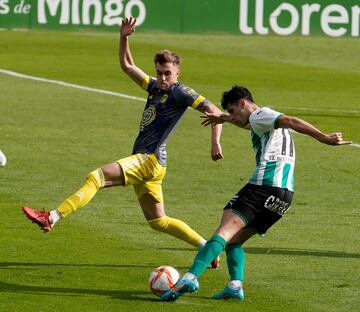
127	26
335	139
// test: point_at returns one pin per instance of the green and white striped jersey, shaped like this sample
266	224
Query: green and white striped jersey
274	148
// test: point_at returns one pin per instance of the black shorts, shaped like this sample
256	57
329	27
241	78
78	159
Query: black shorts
260	206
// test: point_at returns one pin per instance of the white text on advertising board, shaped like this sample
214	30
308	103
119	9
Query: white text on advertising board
333	19
78	12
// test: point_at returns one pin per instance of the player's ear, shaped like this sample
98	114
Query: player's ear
242	103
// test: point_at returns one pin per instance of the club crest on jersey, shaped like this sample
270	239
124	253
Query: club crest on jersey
148	117
164	98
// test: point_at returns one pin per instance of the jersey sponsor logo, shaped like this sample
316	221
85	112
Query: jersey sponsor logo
275	204
148	117
285	159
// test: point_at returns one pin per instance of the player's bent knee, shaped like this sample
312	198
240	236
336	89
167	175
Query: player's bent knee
159	224
113	174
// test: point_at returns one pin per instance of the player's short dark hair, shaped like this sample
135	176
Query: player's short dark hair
166	56
235	94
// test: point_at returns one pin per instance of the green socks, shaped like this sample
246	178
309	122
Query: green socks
236	261
235	258
212	249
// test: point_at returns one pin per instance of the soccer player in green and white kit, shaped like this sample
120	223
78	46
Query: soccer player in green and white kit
263	200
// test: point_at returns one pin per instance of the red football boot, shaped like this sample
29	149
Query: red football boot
41	218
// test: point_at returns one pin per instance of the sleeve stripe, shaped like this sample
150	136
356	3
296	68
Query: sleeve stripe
276	122
145	83
196	103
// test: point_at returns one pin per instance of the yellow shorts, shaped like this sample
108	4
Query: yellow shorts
144	172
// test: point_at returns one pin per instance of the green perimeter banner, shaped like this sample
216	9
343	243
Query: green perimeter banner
332	18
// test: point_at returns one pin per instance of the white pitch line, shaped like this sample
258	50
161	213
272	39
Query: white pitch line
71	85
118	94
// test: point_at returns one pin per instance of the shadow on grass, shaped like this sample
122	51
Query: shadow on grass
46	290
8	265
25	265
301	252
290	252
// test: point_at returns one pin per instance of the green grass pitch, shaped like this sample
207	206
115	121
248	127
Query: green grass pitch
99	259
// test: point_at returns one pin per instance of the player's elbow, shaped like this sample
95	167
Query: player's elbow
125	67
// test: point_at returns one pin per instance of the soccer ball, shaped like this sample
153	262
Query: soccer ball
162	279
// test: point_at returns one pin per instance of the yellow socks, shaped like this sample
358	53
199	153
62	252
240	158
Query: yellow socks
178	229
94	181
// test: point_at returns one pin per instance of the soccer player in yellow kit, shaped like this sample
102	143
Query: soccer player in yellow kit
167	101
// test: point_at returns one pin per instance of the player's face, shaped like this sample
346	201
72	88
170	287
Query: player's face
166	75
238	113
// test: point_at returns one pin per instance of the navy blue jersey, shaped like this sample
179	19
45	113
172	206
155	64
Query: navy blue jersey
162	113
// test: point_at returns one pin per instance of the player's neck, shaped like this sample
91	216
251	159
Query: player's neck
252	108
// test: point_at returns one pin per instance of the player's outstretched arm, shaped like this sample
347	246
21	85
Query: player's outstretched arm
216	151
125	57
304	127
